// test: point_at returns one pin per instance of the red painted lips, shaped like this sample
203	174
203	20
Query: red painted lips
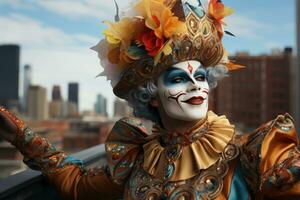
195	101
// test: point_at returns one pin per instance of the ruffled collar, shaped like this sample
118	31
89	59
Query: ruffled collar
194	151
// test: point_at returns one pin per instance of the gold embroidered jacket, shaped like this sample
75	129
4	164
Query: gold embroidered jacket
209	162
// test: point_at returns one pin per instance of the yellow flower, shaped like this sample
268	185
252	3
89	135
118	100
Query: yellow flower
170	25
145	8
120	35
160	18
120	32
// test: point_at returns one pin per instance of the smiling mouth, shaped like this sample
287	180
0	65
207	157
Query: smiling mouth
195	101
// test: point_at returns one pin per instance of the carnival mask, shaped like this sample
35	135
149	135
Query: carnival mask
183	91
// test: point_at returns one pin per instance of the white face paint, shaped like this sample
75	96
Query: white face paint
183	91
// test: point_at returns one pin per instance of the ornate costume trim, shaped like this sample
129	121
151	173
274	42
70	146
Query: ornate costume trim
38	153
268	146
207	184
122	146
15	120
167	162
284	173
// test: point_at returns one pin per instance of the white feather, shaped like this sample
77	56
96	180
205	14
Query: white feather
110	70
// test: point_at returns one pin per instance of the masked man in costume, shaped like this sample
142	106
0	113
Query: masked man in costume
164	57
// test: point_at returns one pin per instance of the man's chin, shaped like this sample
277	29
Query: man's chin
189	117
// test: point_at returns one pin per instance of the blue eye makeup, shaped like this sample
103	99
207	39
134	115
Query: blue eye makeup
200	74
175	76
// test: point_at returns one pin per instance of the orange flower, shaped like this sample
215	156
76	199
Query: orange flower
169	25
218	11
152	43
159	18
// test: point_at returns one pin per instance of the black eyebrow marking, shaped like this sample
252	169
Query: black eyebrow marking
183	71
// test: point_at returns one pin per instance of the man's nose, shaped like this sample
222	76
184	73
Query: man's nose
194	87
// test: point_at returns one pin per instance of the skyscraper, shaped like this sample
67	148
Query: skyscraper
27	83
9	74
56	94
37	103
73	93
121	108
100	105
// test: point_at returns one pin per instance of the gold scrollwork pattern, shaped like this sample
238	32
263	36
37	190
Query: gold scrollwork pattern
205	186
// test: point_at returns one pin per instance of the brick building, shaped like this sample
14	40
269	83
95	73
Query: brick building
252	96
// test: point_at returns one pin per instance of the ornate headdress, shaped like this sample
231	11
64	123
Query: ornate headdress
158	34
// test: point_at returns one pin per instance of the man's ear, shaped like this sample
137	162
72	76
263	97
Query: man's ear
154	102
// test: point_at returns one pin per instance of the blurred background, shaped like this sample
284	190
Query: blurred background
48	72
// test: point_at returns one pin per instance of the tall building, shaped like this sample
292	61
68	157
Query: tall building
62	109
9	74
37	103
298	66
257	94
72	109
55	109
56	94
55	106
101	105
27	83
73	94
121	108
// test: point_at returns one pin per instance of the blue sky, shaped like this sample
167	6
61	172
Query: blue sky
55	36
271	25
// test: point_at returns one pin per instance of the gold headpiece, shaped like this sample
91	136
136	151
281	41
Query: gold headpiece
159	34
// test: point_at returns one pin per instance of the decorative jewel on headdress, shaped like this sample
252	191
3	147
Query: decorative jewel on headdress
160	33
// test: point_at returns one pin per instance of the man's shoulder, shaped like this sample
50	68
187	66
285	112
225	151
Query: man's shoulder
282	124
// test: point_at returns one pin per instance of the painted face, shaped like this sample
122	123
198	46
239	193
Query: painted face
183	91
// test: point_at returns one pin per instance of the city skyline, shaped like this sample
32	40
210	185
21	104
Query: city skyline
55	37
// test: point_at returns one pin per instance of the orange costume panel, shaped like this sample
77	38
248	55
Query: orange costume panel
94	184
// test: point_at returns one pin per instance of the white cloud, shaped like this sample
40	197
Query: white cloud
17	4
73	9
86	38
261	33
56	57
244	27
31	33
